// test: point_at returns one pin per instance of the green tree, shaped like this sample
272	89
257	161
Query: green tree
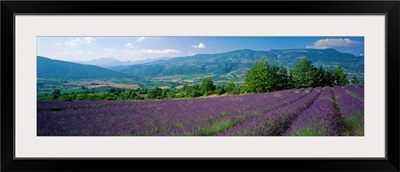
194	93
355	80
220	90
262	77
329	77
206	86
56	94
112	90
319	79
304	74
171	94
154	93
229	87
256	78
280	79
66	98
340	76
133	95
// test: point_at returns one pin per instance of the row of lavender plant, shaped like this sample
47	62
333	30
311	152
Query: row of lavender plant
352	111
320	119
133	117
221	123
356	90
175	117
348	104
232	105
275	122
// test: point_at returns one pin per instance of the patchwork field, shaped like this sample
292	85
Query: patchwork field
328	111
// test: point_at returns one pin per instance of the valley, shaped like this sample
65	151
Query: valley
177	72
200	86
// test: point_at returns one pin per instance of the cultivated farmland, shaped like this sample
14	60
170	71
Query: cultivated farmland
327	111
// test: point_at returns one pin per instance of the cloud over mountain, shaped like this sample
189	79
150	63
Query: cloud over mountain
201	45
333	43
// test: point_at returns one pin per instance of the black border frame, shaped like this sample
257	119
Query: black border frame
390	8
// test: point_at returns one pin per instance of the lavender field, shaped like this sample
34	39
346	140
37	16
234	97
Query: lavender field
327	111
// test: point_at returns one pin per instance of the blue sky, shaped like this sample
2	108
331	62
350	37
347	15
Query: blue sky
140	48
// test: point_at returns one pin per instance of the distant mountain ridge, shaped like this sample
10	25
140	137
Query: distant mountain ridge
49	68
234	63
240	60
106	62
109	62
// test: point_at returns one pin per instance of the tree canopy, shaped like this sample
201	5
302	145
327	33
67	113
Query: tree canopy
304	74
206	86
262	77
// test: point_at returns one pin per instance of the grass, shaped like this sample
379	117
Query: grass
216	128
309	132
343	128
354	95
353	125
178	125
75	90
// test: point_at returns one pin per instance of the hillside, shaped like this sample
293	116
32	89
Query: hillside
110	62
292	112
237	62
49	68
106	62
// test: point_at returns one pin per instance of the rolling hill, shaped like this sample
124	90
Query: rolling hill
109	62
106	62
237	62
49	68
226	65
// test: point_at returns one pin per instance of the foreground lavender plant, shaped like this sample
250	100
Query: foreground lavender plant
318	120
135	117
349	105
356	90
352	111
254	114
274	122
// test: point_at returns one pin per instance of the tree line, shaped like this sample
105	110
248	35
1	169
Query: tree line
261	77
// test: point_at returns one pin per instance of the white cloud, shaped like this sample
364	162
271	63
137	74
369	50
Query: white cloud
161	52
154	52
76	41
332	43
201	45
130	45
134	55
109	49
88	40
141	39
71	43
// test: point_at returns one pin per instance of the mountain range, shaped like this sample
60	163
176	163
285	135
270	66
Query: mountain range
49	68
240	60
109	62
234	62
106	62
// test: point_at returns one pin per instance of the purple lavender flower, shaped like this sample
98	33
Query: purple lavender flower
318	120
268	114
